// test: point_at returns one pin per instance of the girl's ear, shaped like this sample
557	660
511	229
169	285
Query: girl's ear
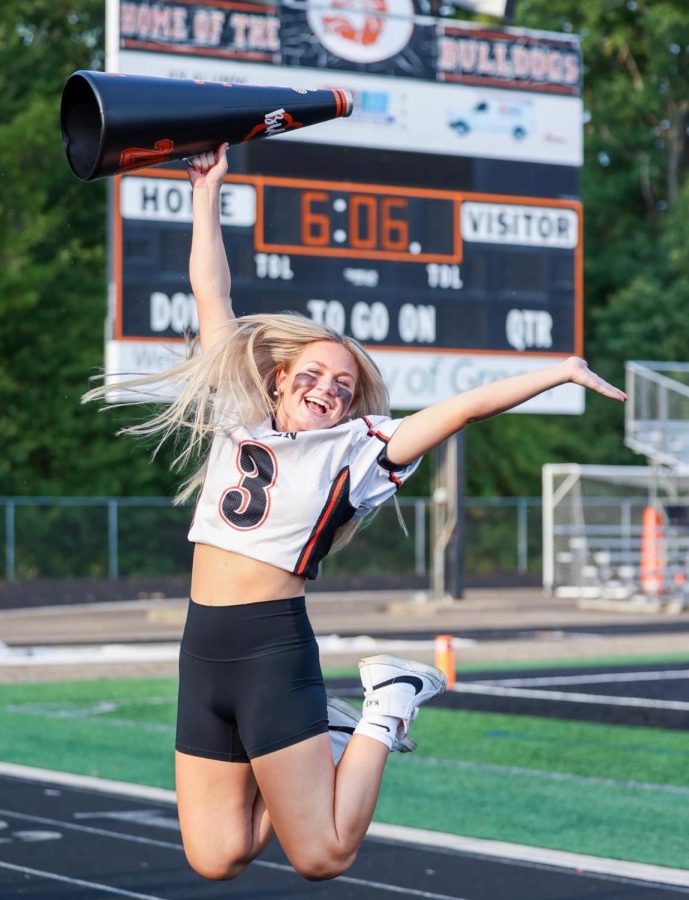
280	376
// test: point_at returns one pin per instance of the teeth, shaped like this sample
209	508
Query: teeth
320	402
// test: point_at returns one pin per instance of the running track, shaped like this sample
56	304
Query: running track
67	838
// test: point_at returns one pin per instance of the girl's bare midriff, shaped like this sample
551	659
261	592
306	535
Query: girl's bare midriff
222	578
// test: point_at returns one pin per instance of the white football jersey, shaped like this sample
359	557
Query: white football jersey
280	496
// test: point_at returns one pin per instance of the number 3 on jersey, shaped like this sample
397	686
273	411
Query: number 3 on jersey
247	505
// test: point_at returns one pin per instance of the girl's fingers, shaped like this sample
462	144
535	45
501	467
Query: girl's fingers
584	376
608	390
211	162
202	162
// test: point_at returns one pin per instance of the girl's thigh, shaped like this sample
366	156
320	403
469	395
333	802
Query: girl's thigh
298	787
221	815
320	815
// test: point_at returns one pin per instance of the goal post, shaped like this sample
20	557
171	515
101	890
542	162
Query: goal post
615	532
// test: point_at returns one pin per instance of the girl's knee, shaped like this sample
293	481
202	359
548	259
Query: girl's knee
323	864
217	866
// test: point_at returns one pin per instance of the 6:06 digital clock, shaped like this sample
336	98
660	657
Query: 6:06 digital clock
358	221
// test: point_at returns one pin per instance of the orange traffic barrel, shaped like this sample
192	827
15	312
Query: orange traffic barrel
445	657
652	563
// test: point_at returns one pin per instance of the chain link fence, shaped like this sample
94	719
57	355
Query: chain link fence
121	537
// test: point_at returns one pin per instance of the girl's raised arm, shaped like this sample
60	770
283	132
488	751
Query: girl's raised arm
209	270
429	427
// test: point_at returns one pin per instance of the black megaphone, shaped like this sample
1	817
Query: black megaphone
115	123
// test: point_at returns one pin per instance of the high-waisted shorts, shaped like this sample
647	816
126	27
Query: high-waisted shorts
250	680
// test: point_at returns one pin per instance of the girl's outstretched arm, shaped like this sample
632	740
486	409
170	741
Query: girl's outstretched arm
429	427
209	270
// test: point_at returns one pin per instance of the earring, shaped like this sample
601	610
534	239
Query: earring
276	393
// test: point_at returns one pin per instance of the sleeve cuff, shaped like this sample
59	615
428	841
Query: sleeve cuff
385	463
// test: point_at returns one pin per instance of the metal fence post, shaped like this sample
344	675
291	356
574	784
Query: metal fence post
522	535
547	526
662	416
419	537
113	568
626	526
10	568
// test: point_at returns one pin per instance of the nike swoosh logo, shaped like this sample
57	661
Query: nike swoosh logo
413	680
378	725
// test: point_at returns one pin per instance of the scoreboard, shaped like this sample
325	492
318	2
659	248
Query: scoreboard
393	266
441	226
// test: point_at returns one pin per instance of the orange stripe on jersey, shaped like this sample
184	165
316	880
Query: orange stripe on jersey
384	438
335	497
373	433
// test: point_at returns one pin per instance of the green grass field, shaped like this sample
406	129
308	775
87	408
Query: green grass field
539	664
589	788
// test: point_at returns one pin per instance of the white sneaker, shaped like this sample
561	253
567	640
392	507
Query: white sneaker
343	719
397	687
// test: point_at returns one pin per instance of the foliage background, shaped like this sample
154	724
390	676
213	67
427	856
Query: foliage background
52	251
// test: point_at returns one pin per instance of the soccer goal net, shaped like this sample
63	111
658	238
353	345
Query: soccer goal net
615	532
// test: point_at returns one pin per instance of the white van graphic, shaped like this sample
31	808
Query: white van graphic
504	116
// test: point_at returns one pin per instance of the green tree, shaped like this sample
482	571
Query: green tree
52	269
634	191
52	249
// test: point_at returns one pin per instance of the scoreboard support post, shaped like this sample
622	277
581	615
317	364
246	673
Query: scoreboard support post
454	562
447	520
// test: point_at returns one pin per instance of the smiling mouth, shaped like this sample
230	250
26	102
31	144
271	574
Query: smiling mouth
320	407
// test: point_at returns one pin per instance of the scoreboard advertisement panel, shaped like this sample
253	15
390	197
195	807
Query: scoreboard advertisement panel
440	225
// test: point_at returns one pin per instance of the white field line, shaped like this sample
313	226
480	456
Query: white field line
79	882
643	872
536	856
361	643
150	727
597	678
494	690
80	609
78	654
171	845
88	783
98	711
544	774
84	709
95	713
82	654
95	716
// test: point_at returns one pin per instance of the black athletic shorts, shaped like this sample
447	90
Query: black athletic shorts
250	680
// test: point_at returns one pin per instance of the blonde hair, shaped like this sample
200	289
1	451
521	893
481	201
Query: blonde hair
238	375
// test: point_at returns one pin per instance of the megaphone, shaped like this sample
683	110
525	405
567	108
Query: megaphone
115	123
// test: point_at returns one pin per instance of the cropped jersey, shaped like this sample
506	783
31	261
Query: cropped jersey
279	497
